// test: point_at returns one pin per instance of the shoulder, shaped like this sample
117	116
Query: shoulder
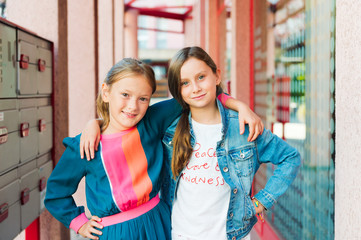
231	114
72	142
172	127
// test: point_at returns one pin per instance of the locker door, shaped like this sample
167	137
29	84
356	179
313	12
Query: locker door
28	129
29	194
9	205
44	80
7	62
27	62
44	174
45	128
9	139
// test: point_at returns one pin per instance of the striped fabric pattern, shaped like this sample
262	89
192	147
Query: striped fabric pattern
126	166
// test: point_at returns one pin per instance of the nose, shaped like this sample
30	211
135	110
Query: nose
132	104
196	87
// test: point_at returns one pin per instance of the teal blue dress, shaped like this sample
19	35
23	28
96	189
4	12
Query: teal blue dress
125	173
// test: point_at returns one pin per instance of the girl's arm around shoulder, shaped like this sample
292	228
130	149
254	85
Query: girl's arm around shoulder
272	149
63	183
160	115
245	116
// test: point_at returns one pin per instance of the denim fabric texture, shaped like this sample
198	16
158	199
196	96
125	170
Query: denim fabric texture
239	161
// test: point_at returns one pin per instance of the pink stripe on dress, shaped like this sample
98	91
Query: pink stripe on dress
117	169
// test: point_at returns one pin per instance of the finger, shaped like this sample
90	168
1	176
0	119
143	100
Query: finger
96	222
256	134
95	231
97	143
251	131
262	127
241	126
81	148
96	218
91	150
91	236
87	151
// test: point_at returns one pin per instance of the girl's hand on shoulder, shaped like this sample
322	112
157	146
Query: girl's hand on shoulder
89	139
89	228
247	116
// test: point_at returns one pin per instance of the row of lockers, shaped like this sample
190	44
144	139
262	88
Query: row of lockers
22	192
26	126
25	130
25	64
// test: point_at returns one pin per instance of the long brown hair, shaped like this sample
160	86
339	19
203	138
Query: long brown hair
182	148
127	67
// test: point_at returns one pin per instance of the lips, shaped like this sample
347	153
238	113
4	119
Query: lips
129	115
199	97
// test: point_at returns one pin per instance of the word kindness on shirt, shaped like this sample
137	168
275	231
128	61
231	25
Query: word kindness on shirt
203	167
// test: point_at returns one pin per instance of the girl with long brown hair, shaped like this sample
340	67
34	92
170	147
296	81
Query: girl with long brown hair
212	165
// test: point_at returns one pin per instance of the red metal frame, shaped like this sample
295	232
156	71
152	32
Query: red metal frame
159	30
159	11
32	232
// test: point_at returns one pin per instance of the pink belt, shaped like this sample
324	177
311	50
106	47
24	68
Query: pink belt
130	214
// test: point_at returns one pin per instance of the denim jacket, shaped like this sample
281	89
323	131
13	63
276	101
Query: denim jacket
239	161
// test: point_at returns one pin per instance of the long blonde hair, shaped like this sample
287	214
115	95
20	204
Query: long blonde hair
182	148
127	67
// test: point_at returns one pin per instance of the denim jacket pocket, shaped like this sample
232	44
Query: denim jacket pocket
243	160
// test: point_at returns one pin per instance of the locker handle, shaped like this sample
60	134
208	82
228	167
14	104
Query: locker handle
42	183
4	211
24	129
3	135
41	65
42	125
24	61
25	195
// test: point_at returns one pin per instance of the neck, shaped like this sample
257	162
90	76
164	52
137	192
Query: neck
206	115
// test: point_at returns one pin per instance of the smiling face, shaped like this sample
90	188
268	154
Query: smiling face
128	100
198	84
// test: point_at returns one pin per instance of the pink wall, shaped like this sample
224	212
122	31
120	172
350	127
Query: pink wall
81	64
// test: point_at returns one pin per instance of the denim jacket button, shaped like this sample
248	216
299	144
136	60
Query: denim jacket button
242	155
234	238
222	144
170	143
235	190
231	215
225	169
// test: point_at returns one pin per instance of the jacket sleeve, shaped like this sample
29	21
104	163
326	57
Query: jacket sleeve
272	149
160	115
63	183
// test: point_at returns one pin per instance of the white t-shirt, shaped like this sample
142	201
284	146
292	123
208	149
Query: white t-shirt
200	208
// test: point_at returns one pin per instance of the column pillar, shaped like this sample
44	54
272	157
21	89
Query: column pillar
118	21
131	34
212	30
348	115
241	51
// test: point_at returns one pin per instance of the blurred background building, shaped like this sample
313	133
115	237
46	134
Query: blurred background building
295	62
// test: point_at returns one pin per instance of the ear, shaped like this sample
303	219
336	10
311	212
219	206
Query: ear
105	92
219	79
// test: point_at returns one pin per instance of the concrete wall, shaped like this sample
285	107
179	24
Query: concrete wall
348	117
